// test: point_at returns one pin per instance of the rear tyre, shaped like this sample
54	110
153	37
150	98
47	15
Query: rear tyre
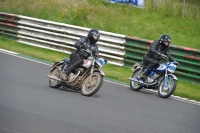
54	83
89	88
134	85
165	92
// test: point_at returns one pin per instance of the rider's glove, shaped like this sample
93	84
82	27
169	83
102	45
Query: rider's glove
105	61
176	63
96	55
163	56
159	54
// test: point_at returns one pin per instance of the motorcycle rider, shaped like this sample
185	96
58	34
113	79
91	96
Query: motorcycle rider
158	49
76	57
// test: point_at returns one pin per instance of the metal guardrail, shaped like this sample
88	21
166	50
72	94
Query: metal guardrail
118	49
58	36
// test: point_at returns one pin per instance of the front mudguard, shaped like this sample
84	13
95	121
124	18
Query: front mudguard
101	72
174	77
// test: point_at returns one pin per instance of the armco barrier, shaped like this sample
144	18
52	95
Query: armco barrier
188	58
58	36
118	49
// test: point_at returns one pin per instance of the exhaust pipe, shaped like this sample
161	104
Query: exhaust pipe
136	80
53	77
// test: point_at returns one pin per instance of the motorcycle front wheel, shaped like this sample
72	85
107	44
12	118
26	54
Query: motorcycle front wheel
135	86
89	88
167	91
53	83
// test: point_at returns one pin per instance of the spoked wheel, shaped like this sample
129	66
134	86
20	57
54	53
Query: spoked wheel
54	83
168	90
89	88
134	85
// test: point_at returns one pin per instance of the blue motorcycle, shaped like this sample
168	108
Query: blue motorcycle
162	78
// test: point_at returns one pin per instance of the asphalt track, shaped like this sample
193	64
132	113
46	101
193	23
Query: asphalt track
29	105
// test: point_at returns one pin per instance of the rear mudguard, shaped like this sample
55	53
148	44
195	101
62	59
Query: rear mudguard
139	67
55	65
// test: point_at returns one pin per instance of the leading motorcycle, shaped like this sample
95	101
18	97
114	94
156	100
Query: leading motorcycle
162	78
87	78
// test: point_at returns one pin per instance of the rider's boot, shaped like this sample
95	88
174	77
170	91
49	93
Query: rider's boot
146	73
64	75
143	78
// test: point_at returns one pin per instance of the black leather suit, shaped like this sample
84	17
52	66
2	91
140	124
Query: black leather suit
76	57
152	57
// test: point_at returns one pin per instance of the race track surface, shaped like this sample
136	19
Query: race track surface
29	105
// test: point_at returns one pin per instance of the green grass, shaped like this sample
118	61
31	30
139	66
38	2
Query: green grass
184	89
188	90
117	18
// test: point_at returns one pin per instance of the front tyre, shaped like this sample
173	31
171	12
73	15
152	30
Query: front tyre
135	86
165	92
53	83
89	88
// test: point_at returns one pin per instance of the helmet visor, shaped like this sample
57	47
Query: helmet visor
167	40
97	34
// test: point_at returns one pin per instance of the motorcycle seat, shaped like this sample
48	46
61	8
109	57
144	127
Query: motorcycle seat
142	64
66	60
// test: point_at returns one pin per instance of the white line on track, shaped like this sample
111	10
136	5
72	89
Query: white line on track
16	54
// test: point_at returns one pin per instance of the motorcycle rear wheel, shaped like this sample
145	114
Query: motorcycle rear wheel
53	83
171	84
134	85
90	88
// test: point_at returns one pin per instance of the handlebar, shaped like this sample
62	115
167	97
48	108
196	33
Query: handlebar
165	58
176	63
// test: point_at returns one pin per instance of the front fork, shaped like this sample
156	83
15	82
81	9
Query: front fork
166	80
91	73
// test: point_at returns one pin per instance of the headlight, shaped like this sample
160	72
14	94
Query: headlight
100	62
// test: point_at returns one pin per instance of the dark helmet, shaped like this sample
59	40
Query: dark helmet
91	34
165	38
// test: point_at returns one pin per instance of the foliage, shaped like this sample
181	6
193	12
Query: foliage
118	18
